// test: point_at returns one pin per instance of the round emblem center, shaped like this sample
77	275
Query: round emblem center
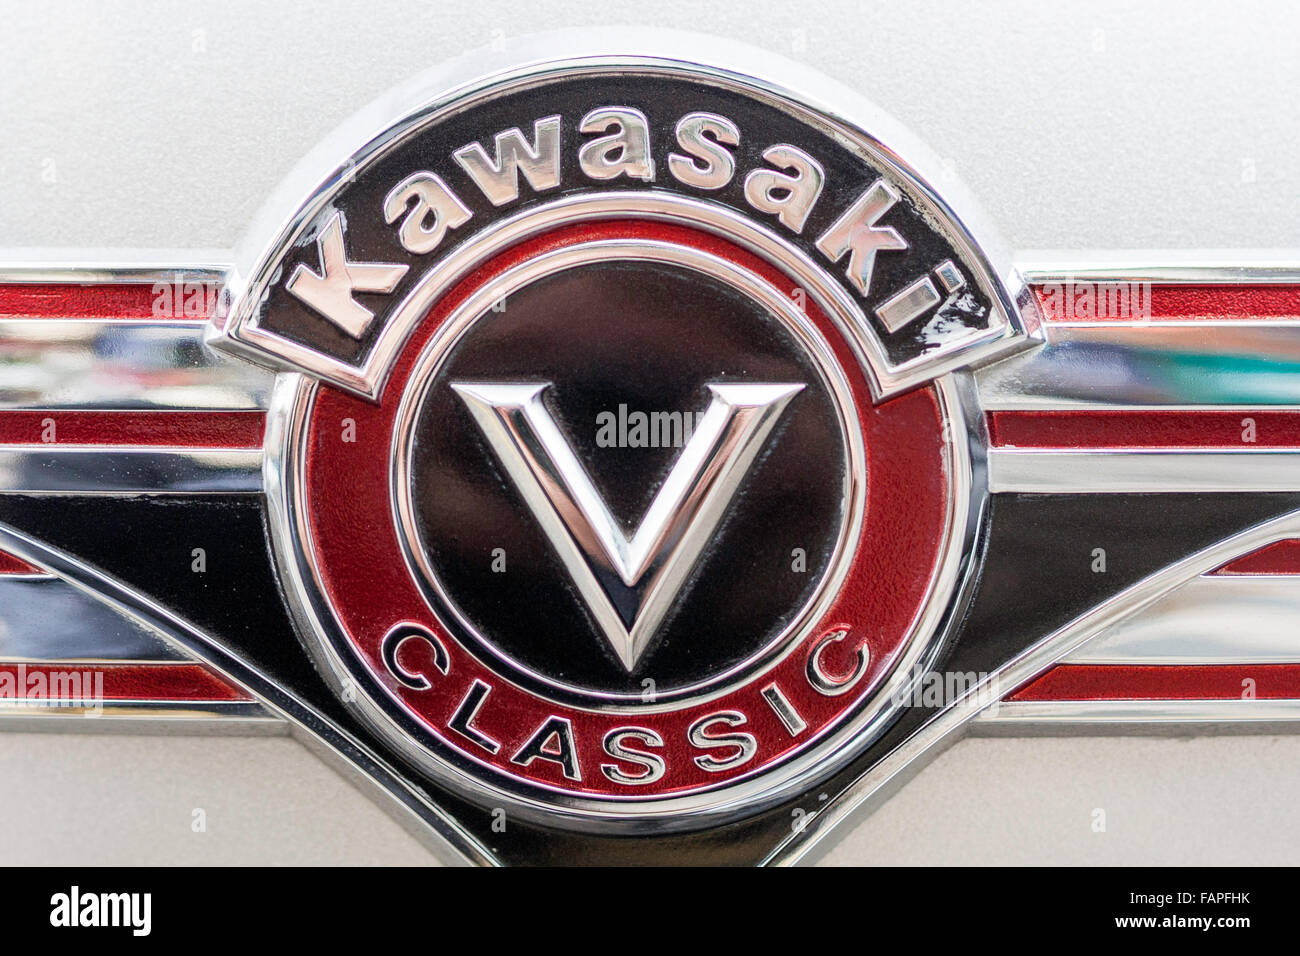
627	476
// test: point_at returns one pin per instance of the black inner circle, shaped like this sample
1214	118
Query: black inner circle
649	337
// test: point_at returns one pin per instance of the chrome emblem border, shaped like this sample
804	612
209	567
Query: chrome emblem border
291	411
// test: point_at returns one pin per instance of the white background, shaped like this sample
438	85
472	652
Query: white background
1077	126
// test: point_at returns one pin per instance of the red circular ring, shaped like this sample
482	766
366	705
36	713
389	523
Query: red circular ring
366	582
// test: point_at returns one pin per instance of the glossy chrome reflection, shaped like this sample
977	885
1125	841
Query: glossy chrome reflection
1065	716
1149	471
1164	266
706	165
103	470
681	519
50	619
1215	619
101	363
498	176
1161	364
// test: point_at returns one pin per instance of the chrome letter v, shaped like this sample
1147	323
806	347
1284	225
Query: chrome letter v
578	523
